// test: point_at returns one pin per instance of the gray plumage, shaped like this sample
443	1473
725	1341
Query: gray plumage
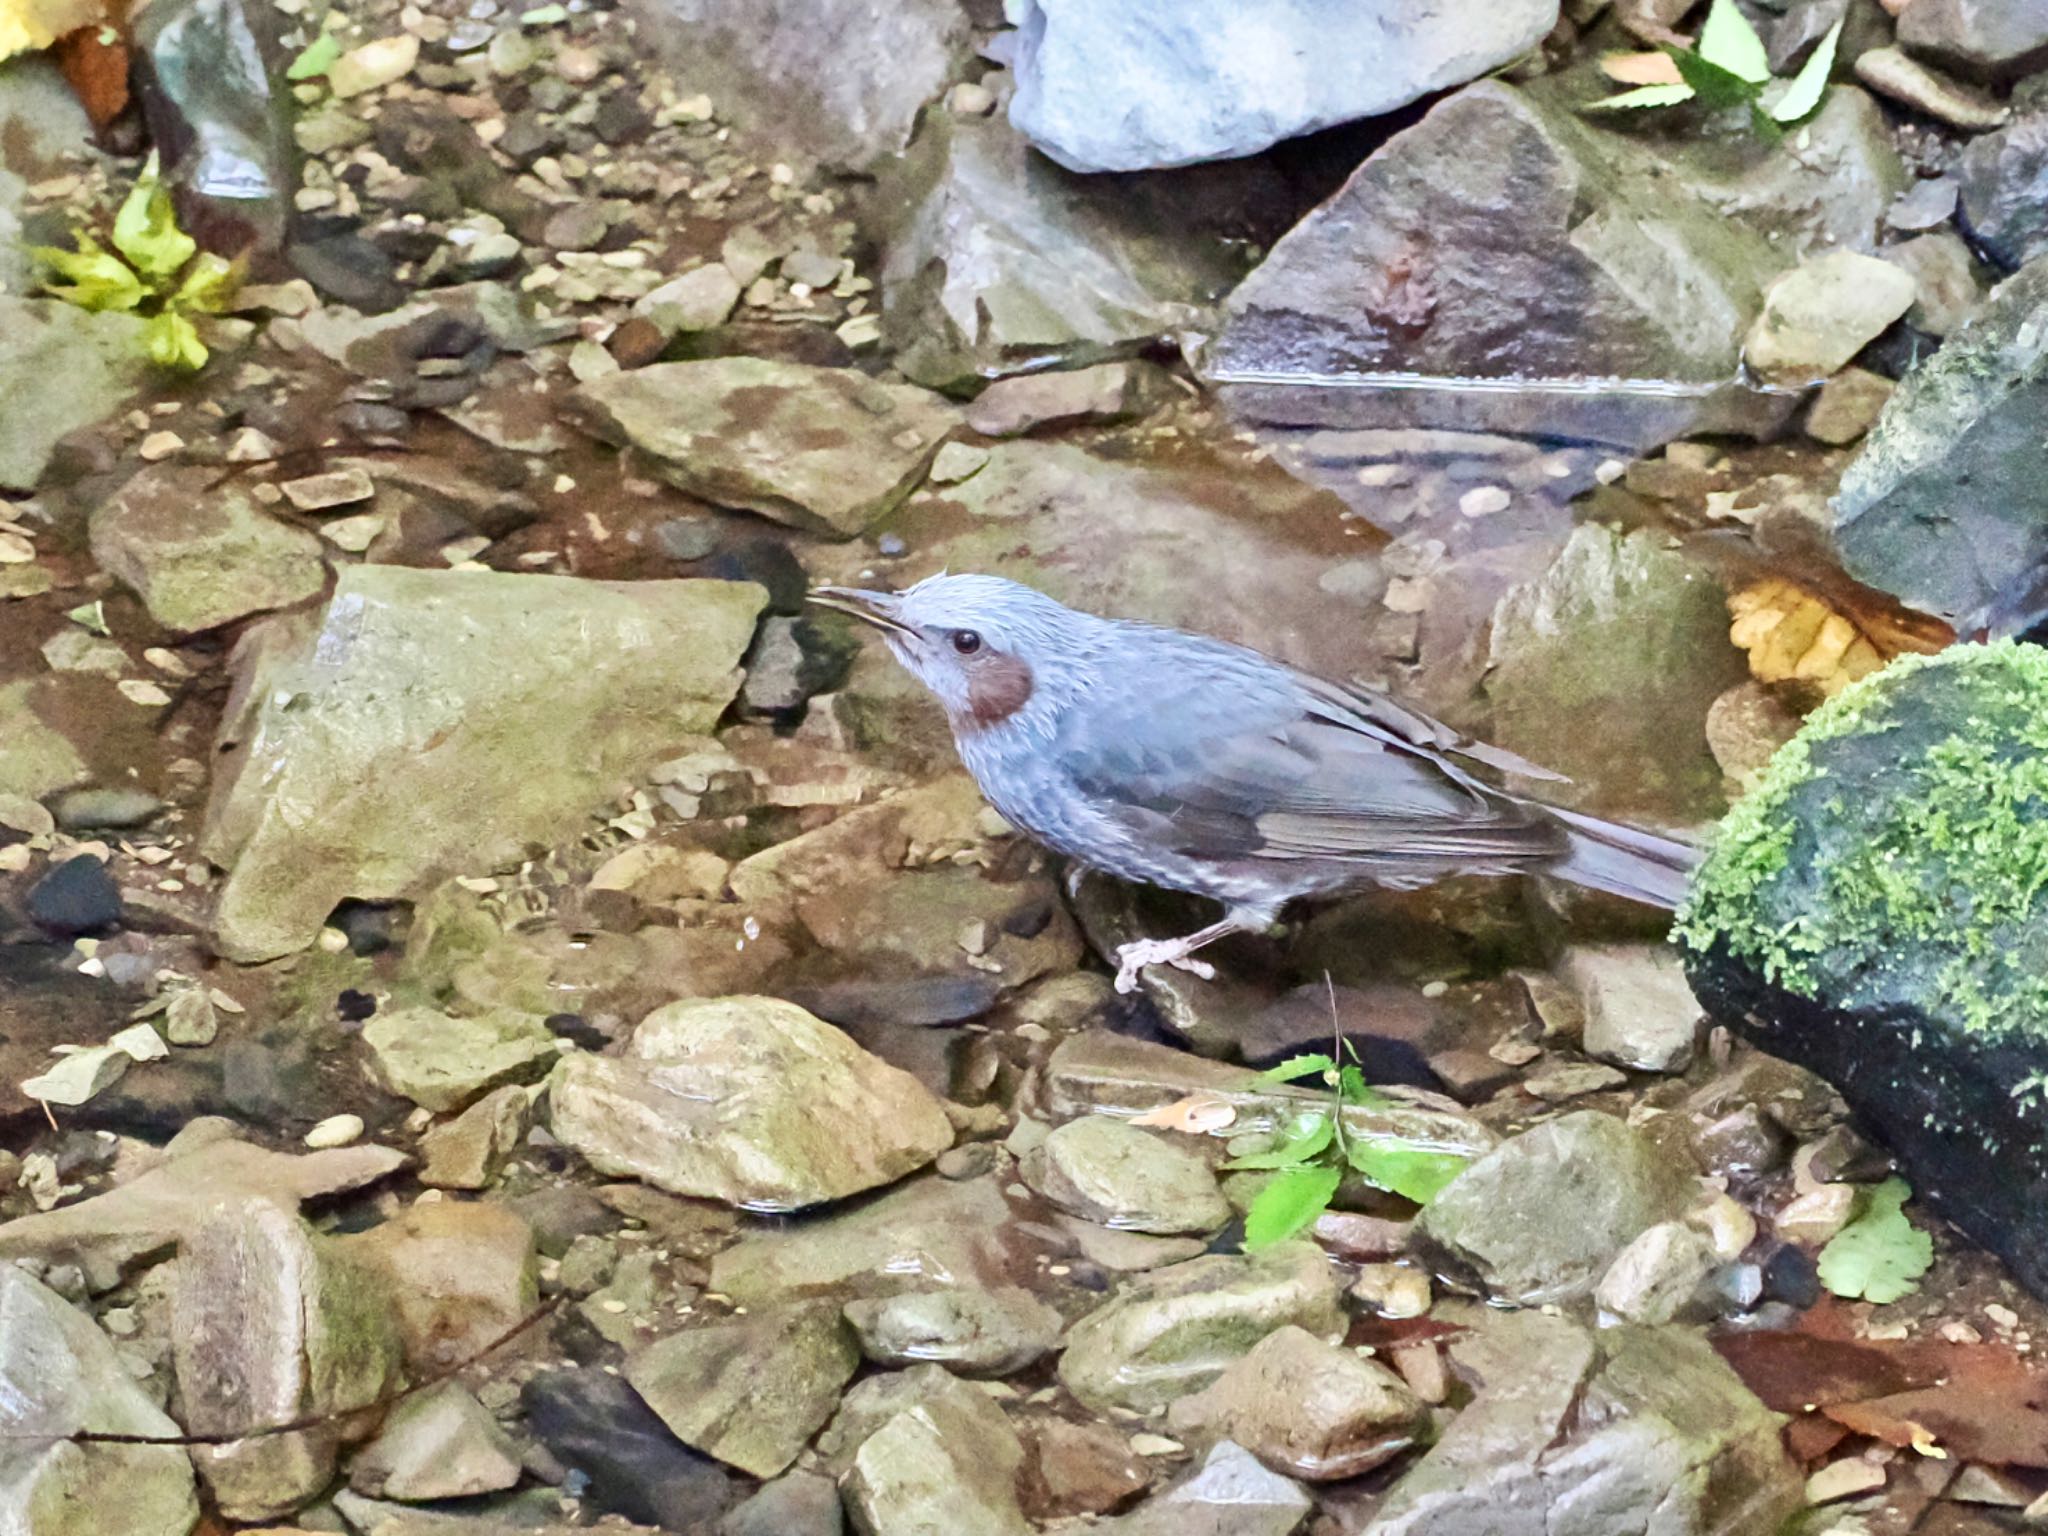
1182	761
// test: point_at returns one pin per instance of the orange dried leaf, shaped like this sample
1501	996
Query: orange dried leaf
1796	634
1641	68
95	63
1199	1114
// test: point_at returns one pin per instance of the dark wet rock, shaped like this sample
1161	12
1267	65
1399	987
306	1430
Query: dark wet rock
1627	630
62	1375
1790	1275
652	664
1208	83
750	1390
61	368
971	1332
931	1232
996	261
1939	508
1913	1003
922	1451
210	76
595	1424
271	1323
823	449
718	1098
442	1062
1097	396
1539	1219
440	1444
200	555
2005	190
799	1504
1229	1494
1077	1469
1107	1171
1581	280
346	267
1983	41
1639	1013
840	81
1175	1330
1740	1144
1307	1408
920	1003
1629	1429
74	897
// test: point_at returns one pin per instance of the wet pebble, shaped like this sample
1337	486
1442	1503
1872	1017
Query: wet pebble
76	897
87	809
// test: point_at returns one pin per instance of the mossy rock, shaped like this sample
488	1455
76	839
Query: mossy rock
1876	909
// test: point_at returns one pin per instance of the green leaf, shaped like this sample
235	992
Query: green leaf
1880	1255
93	278
209	286
1412	1172
1644	96
146	229
1804	93
1311	1134
1715	86
92	615
1352	1088
1294	1067
173	342
1288	1205
315	59
1730	43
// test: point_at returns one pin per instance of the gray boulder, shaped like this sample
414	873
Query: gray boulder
1996	40
430	723
61	368
2005	190
1229	1494
1118	85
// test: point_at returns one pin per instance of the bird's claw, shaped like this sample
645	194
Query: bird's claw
1133	958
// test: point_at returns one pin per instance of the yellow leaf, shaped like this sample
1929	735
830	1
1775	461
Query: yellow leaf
1794	634
91	278
173	342
210	286
1198	1114
146	229
29	25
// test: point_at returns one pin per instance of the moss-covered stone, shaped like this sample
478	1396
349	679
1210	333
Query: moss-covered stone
1876	909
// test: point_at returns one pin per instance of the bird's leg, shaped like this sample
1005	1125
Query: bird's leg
1179	953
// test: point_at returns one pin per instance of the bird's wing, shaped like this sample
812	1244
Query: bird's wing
1278	766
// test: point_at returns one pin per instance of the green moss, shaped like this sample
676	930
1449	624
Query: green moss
1928	868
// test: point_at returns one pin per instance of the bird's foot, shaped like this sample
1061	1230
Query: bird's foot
1178	953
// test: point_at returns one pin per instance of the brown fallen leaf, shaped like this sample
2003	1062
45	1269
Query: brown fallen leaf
1199	1114
1794	634
94	61
1641	68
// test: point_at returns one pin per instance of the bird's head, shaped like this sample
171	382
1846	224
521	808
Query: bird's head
989	650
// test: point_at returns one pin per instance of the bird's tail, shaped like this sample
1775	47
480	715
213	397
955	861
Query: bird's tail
1623	860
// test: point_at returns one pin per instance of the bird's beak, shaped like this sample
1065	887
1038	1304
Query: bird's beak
881	609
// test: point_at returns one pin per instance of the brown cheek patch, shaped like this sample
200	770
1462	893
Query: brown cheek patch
997	689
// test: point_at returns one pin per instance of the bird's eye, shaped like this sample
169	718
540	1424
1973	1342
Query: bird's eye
966	641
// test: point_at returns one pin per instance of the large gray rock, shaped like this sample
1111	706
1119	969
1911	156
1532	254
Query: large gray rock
1538	1219
440	722
942	1462
1984	38
1175	1330
1639	1012
1514	266
35	757
444	1063
750	1390
1943	507
825	449
997	261
271	1323
61	368
59	1375
2005	190
721	1098
1100	1168
1571	1434
1119	85
838	81
970	1331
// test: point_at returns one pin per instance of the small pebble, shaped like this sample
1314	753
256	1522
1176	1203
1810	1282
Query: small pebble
159	445
335	1131
1484	501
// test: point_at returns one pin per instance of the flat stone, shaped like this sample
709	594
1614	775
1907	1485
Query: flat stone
1213	81
61	368
1078	1469
698	300
1540	1218
1307	1408
1897	74
942	1462
1847	406
335	488
824	449
1639	1011
61	1375
440	1444
445	1063
598	680
1820	315
1995	41
1101	395
971	1332
1229	1494
1105	1170
750	1390
466	1152
1660	1277
719	1098
200	555
1175	1330
462	1274
35	758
